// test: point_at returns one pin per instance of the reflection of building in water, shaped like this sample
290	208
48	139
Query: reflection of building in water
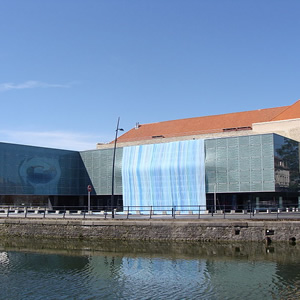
242	279
217	275
133	273
4	259
282	173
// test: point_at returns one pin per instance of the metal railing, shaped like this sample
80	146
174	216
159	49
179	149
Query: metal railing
151	212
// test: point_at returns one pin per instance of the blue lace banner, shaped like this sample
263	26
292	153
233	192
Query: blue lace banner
164	175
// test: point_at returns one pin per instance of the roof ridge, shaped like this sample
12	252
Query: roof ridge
287	108
238	112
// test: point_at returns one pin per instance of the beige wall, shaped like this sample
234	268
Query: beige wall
287	128
178	138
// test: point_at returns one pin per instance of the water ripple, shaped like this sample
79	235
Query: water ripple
51	276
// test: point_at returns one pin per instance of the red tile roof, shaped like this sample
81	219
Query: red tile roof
210	124
291	112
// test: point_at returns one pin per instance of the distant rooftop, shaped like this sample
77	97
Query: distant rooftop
210	124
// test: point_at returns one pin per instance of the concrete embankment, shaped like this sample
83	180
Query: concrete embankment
173	230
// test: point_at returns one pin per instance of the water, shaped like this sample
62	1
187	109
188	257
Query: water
50	269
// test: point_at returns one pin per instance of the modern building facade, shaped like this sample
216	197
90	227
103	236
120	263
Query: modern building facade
38	176
223	160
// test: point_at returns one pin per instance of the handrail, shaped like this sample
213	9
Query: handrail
192	211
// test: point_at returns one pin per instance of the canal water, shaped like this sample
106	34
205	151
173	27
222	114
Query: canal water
55	269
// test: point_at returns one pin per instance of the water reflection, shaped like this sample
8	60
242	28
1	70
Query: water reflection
50	269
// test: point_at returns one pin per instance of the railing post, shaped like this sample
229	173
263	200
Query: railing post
250	211
25	211
224	211
150	211
127	211
199	212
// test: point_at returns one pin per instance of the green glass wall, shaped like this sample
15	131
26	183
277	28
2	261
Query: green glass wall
98	164
240	164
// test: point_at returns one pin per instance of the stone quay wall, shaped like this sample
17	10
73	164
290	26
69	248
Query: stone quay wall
167	230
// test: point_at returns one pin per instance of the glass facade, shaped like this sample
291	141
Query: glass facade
253	166
27	170
286	155
240	164
98	164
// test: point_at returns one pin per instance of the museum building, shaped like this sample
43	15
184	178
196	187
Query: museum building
239	160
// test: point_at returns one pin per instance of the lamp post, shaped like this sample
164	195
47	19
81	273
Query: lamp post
113	170
89	188
215	198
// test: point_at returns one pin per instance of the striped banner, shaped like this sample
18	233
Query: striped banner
167	174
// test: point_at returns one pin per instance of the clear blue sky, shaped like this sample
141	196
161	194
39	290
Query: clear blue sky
70	68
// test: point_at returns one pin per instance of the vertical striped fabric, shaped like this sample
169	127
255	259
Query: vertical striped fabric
167	174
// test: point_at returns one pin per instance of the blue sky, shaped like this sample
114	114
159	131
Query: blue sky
70	68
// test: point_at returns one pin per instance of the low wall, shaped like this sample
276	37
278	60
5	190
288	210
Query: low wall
225	230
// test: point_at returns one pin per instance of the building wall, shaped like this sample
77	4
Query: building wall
178	138
286	128
98	164
236	164
27	170
232	164
240	164
286	154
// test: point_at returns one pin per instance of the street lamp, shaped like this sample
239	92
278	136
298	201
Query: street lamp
113	170
215	198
